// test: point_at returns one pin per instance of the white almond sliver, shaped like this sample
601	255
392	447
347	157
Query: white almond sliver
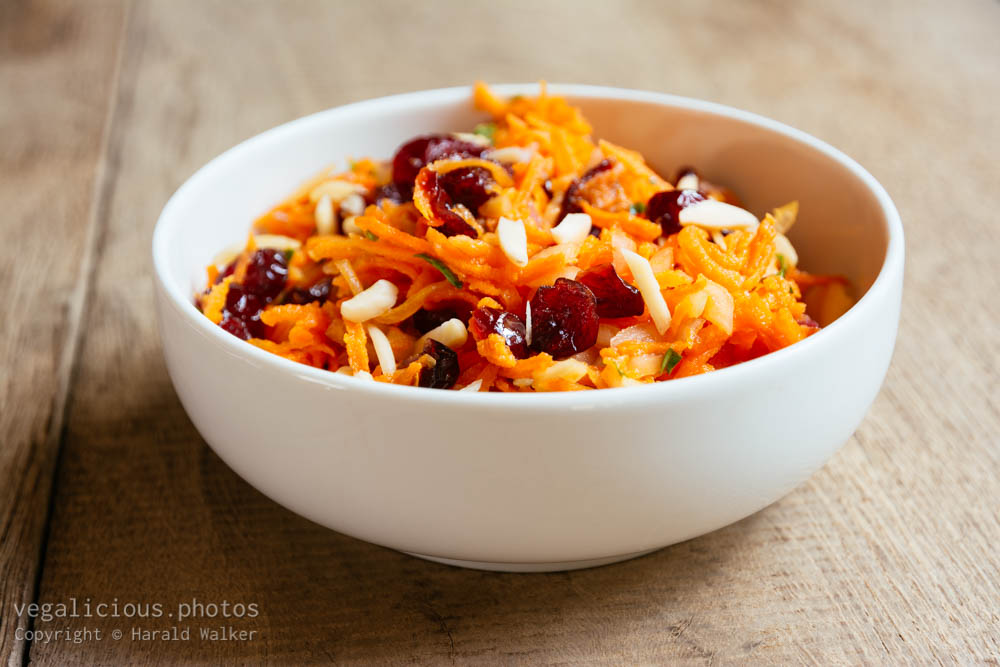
511	154
785	249
475	385
324	215
567	369
383	350
688	181
353	204
714	214
574	228
349	226
451	333
513	240
374	301
277	242
472	138
364	375
336	190
649	288
527	323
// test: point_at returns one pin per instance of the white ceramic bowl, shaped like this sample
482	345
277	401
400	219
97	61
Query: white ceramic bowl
544	481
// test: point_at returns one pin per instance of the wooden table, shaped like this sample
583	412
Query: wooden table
887	555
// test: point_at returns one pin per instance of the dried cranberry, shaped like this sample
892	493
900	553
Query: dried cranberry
245	307
563	318
235	326
266	273
468	186
572	198
414	155
443	373
615	297
452	224
226	272
486	321
426	319
665	208
317	293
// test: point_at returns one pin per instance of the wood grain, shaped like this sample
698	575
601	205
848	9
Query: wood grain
885	556
57	67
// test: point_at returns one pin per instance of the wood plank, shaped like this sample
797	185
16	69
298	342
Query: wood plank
57	68
886	555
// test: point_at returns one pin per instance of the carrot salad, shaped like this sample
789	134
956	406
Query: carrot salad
523	255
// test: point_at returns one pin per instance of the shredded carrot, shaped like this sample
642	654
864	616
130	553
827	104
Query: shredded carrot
729	296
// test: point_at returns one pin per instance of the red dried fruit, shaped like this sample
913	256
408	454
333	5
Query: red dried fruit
317	293
564	318
443	372
414	155
245	308
665	207
235	326
226	272
486	321
266	273
451	223
425	319
469	186
572	198
615	297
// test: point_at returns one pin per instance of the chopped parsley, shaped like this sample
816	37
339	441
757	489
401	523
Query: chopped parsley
288	254
370	236
443	268
670	360
782	267
487	130
637	208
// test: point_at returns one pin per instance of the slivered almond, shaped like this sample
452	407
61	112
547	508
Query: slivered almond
712	214
353	204
785	249
527	323
383	350
475	385
349	226
689	181
574	228
649	288
451	333
324	216
513	240
512	154
567	369
374	301
472	138
276	242
336	190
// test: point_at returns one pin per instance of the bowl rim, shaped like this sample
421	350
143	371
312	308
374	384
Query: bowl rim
681	389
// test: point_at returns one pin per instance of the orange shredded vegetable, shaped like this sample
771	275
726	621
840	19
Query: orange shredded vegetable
414	250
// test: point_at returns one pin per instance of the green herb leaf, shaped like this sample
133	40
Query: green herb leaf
370	236
487	130
637	208
782	267
443	268
670	360
288	254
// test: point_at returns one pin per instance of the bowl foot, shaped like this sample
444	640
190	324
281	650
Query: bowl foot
533	567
